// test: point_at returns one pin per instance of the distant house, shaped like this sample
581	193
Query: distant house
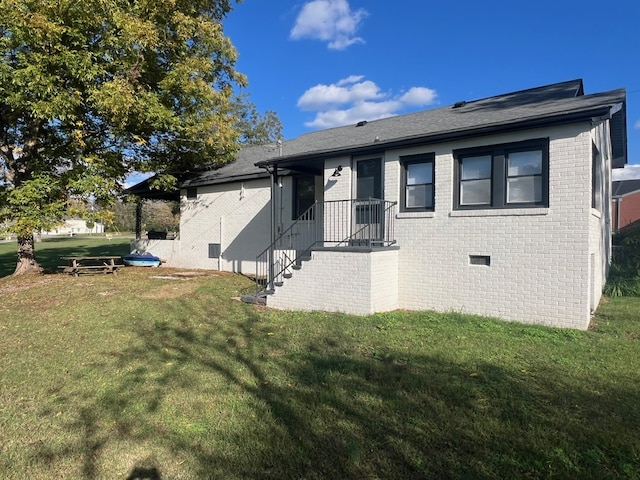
74	226
499	207
625	203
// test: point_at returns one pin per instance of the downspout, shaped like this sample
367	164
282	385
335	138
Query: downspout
274	182
220	255
280	208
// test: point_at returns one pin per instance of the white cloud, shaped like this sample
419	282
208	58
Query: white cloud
360	100
419	96
366	110
350	79
331	21
348	90
629	172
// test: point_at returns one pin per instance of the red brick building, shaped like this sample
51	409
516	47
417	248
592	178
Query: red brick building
625	203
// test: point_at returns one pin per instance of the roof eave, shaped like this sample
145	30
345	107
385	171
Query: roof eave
143	190
236	178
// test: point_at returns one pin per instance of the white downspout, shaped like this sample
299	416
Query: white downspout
220	256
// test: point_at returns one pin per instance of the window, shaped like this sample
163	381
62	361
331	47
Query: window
503	176
192	193
417	183
596	179
475	180
524	177
304	195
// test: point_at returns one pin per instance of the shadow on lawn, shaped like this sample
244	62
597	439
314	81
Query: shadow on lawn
49	251
330	410
139	473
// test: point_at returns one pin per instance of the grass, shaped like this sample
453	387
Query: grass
49	250
151	375
623	281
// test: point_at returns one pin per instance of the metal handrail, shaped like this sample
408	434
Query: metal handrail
382	224
356	222
276	260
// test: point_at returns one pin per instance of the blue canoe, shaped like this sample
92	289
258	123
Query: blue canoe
141	260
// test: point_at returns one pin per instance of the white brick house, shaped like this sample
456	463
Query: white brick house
497	207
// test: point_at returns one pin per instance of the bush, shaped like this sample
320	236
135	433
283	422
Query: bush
629	239
623	281
624	277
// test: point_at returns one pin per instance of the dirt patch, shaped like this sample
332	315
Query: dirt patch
172	290
181	285
21	283
183	275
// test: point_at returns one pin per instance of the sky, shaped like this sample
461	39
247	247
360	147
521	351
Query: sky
326	63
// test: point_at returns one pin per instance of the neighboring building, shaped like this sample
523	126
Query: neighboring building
625	203
75	226
496	207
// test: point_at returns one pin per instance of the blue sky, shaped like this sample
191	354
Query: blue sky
324	63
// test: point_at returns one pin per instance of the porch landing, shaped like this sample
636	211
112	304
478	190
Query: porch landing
355	280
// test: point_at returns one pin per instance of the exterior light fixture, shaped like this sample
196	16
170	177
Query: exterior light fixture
336	172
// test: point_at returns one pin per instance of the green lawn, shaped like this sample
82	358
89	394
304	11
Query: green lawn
49	250
145	375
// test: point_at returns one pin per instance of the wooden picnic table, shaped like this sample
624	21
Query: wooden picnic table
103	263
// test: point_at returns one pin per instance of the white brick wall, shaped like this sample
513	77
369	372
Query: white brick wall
236	215
539	269
337	188
600	218
354	282
167	250
384	280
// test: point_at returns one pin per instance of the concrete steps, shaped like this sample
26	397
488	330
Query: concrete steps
261	298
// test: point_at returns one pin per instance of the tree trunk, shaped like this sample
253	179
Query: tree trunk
27	262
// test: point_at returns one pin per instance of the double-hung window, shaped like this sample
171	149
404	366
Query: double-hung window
512	175
475	180
417	182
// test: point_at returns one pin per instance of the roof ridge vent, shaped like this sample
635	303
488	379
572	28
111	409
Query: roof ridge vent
459	104
361	123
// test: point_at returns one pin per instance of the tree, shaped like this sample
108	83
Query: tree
124	216
254	128
92	90
161	215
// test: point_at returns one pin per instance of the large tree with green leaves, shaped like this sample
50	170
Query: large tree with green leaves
255	128
92	90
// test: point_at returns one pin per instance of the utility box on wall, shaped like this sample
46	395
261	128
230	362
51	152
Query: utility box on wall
214	250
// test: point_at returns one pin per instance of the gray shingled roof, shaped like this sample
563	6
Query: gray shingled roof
552	104
624	187
242	168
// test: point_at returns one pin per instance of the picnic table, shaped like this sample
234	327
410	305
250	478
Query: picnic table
77	265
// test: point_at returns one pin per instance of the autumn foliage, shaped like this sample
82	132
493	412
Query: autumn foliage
92	90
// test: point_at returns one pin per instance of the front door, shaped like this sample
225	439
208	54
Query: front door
368	210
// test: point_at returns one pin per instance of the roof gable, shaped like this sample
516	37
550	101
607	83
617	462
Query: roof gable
624	187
